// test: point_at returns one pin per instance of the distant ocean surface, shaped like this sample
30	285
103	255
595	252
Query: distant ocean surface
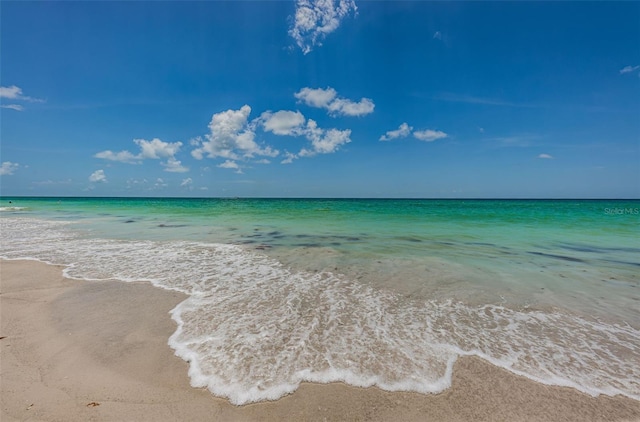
364	291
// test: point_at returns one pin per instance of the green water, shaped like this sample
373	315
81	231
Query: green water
549	289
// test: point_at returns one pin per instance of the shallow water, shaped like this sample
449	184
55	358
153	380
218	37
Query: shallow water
369	292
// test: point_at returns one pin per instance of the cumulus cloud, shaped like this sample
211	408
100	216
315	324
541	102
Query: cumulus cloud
174	166
98	176
8	168
230	164
122	156
545	156
231	137
318	97
154	149
336	106
315	19
429	135
157	149
322	141
402	132
282	122
629	69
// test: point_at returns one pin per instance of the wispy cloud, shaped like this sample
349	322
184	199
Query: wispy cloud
513	141
98	176
335	106
469	99
16	107
545	156
186	182
14	93
315	19
629	69
437	35
8	168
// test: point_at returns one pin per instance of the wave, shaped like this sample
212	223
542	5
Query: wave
253	329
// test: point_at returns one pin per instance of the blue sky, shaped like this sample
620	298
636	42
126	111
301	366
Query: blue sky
320	99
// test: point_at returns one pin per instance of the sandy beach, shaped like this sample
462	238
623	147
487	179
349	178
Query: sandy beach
78	351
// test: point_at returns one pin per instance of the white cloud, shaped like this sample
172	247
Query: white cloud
402	132
229	164
344	107
318	97
230	137
545	156
160	183
186	182
174	166
156	149
289	157
282	122
122	156
315	19
15	93
98	176
8	168
629	69
329	100
437	35
429	135
324	141
16	107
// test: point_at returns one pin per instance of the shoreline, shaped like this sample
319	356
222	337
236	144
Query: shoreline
77	350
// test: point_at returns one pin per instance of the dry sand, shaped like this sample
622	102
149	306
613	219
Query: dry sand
97	351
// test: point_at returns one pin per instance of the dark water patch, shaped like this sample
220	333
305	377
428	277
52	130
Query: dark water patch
409	239
274	233
335	244
596	249
480	244
562	257
615	261
130	221
580	248
310	245
172	226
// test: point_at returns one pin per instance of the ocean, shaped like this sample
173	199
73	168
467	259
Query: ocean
384	292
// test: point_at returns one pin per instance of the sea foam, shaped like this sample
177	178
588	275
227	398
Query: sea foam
253	329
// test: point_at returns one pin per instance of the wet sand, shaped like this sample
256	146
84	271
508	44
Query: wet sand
79	351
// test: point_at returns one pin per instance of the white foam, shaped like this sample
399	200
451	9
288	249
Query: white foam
253	329
9	209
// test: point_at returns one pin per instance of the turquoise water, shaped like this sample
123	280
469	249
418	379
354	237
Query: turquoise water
369	292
